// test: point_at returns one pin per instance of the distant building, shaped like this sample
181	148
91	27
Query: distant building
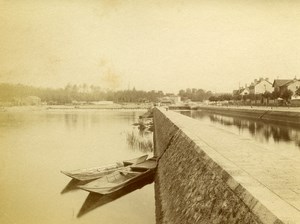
171	99
175	99
76	102
102	102
261	86
244	91
281	85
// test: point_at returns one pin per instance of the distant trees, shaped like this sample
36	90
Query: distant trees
286	94
221	97
89	93
8	92
257	98
236	97
195	94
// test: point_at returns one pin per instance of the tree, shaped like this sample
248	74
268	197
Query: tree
267	95
286	94
213	98
251	96
236	97
181	92
160	93
275	94
188	91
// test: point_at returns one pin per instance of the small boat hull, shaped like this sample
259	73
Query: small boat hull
98	172
122	178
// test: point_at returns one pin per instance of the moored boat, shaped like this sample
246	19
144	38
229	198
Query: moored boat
98	172
121	178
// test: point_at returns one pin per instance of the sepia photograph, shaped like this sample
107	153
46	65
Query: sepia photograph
150	112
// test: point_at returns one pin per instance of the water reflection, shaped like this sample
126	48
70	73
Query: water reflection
8	120
260	130
71	120
73	185
77	120
36	145
94	200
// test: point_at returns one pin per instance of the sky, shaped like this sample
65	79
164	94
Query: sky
150	45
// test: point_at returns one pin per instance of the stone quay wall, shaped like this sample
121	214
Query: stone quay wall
276	115
193	183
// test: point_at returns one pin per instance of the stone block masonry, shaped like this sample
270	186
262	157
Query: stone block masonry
208	175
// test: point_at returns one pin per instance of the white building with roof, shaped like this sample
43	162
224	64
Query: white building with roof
261	86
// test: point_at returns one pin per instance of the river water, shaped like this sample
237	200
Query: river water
282	138
35	146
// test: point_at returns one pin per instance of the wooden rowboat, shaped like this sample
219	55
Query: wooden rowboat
121	178
98	172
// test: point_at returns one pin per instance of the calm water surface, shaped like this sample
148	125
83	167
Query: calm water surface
35	146
282	138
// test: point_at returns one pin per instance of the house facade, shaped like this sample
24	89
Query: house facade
281	85
261	86
293	85
245	91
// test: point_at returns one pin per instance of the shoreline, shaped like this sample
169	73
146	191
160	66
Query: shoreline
74	107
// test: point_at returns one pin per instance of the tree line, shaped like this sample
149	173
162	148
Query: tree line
71	93
90	93
285	95
195	94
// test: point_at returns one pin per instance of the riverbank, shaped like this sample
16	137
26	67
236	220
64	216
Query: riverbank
283	115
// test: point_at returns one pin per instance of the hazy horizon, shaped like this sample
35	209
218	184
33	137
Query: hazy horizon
102	89
163	45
